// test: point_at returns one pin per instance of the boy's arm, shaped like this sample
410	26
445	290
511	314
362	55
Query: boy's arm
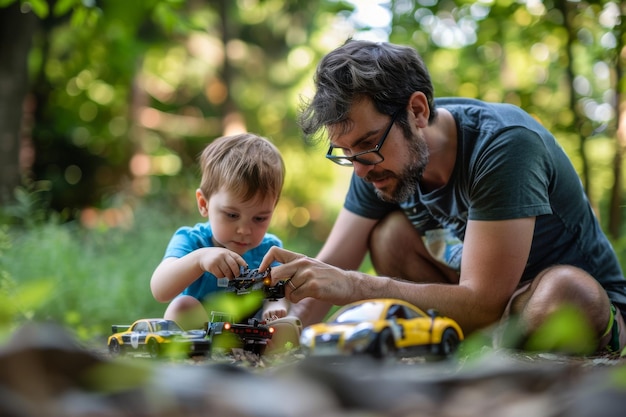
173	275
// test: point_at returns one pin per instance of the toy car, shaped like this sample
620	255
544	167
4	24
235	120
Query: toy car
253	280
382	327
153	336
224	334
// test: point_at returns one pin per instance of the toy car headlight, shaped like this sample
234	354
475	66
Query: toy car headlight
306	337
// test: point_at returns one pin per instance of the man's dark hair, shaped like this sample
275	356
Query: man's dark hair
385	73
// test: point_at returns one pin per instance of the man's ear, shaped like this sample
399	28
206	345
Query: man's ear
203	203
418	106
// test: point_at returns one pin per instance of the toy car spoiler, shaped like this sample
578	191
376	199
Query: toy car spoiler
115	328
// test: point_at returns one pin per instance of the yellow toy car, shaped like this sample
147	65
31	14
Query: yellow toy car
152	336
382	327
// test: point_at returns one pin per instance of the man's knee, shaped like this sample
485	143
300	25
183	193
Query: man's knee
561	286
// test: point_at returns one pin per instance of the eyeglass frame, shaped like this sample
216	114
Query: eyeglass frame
347	161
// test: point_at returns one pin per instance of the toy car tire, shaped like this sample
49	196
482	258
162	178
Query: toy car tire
450	341
385	345
154	350
114	348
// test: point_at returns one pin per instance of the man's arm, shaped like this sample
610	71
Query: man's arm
494	257
347	243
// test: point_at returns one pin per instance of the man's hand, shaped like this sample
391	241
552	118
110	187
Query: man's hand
308	277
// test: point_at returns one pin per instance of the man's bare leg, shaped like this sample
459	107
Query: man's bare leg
397	250
560	286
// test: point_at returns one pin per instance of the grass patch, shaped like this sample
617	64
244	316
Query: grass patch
88	279
92	278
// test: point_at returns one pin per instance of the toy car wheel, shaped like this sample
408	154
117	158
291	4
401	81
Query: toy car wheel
450	341
154	350
385	345
114	348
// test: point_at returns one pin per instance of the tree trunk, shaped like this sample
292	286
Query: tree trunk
569	11
616	205
16	30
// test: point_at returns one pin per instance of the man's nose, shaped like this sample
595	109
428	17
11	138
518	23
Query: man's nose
361	169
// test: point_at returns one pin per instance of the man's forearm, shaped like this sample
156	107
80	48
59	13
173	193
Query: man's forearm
310	311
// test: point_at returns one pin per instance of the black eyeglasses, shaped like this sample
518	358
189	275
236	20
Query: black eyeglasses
370	157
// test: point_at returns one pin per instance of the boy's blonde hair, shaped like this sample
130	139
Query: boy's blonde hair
246	164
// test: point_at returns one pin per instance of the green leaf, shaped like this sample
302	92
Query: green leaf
239	306
63	6
5	3
39	7
565	331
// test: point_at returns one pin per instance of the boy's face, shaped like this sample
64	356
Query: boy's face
238	225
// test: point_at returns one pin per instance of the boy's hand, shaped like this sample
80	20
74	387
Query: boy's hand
273	310
273	314
221	262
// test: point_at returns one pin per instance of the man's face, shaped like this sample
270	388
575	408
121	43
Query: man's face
396	178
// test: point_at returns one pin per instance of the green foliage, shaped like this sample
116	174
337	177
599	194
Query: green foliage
566	331
17	302
237	306
41	8
618	377
130	92
87	279
30	205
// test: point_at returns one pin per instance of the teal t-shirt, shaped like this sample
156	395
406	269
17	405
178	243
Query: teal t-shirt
508	166
187	239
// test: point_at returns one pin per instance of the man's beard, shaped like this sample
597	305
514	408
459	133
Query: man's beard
408	179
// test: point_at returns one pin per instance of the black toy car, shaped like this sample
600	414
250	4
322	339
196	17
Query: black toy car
254	280
224	334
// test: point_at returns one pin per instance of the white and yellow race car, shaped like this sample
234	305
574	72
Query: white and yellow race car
154	336
382	327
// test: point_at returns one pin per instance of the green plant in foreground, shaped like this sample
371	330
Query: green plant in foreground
566	331
17	302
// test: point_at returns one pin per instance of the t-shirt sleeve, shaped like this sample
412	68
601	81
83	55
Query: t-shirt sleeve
511	178
362	200
255	256
185	240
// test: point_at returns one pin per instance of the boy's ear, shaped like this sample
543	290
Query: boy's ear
203	203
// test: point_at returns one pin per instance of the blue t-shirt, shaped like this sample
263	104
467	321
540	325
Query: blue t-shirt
507	166
187	239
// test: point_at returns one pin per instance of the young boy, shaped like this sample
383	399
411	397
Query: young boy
242	178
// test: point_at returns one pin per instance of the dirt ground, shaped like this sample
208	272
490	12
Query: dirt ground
45	372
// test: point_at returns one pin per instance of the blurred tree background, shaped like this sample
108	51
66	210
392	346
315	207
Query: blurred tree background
105	105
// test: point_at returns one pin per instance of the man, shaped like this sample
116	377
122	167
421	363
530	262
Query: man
468	207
